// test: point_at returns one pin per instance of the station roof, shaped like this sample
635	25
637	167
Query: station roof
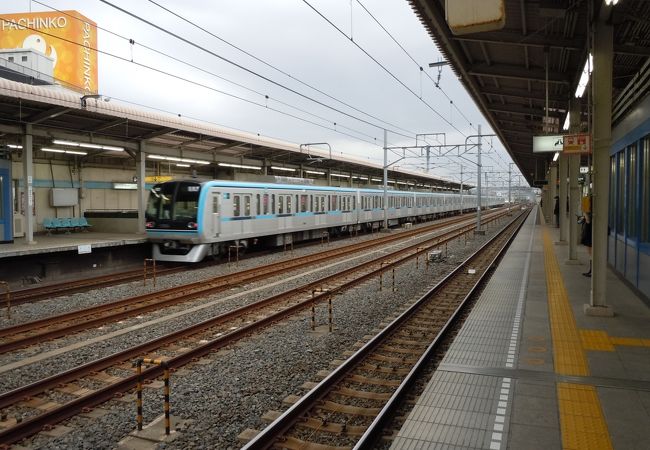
505	71
56	113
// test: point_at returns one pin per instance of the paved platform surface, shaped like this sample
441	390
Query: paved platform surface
529	370
60	242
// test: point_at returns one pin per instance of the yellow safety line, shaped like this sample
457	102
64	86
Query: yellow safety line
582	422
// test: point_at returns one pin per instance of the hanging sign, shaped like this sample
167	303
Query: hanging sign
577	143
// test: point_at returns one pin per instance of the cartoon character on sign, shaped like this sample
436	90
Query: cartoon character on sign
37	42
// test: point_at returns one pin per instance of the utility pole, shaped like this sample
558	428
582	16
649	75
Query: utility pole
478	185
385	179
509	182
461	188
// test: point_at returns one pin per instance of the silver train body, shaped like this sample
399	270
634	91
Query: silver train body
190	220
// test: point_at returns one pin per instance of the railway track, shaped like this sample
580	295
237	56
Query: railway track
35	294
35	332
31	408
351	406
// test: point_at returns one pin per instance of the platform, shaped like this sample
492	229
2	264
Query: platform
63	242
529	370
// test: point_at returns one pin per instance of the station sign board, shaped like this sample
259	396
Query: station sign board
577	143
158	178
544	144
68	37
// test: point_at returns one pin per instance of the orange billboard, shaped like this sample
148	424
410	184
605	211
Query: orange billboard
67	37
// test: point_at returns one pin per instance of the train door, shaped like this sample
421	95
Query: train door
216	213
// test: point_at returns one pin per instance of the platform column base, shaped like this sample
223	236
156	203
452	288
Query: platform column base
598	311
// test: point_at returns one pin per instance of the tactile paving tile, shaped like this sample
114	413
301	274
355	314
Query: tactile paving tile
456	409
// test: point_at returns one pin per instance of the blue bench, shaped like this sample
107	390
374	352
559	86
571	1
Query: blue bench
66	224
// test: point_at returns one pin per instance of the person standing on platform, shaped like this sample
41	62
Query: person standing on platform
586	239
556	211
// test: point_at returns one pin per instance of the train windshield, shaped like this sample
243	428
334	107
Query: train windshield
173	205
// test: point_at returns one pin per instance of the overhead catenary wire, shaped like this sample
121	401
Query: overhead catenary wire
392	75
211	88
436	83
283	72
194	66
246	69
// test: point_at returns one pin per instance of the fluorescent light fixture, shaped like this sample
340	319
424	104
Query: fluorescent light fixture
340	175
611	2
177	160
87	145
556	156
240	166
377	179
566	121
584	78
182	165
126	186
58	150
283	169
14	146
315	172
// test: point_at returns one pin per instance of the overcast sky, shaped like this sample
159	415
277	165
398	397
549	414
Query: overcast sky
292	37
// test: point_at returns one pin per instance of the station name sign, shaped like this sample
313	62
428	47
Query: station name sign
567	143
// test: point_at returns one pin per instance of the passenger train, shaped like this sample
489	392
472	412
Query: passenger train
188	220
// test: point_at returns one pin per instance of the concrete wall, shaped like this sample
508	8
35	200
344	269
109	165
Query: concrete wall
96	192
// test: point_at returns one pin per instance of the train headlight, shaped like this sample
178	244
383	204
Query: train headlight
192	225
150	224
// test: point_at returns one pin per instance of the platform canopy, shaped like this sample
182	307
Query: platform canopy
505	70
56	114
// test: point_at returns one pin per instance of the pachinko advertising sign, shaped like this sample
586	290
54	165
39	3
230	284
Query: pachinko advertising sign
67	37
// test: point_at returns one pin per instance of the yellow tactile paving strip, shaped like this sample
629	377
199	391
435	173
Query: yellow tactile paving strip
582	421
600	341
569	357
581	418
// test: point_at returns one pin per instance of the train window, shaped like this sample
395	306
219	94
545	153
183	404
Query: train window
632	190
645	191
236	205
303	203
265	204
280	204
247	205
335	202
258	205
215	203
311	203
288	203
621	193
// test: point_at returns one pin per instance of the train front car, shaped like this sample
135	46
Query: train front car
173	222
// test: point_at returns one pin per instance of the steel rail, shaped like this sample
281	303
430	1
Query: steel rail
372	434
33	425
268	437
171	296
50	291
